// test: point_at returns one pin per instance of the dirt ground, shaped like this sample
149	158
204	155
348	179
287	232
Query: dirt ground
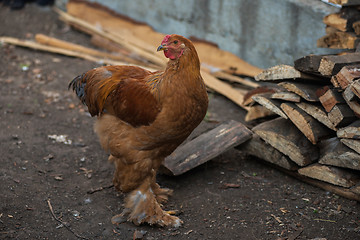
39	174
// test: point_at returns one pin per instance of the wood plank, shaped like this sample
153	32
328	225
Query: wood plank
271	104
308	64
330	98
282	72
354	144
332	64
341	115
335	153
351	131
286	96
257	111
347	75
310	127
318	113
207	146
288	140
306	91
330	174
260	149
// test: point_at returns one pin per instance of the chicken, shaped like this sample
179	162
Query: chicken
142	117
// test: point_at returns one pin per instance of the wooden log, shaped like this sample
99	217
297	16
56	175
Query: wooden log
286	96
257	111
339	40
347	75
343	20
271	104
332	64
282	72
355	87
354	144
335	153
356	27
330	174
207	146
260	149
318	113
346	2
351	131
287	140
330	98
306	91
310	127
341	115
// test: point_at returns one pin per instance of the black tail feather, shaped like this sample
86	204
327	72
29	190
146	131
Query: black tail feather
78	86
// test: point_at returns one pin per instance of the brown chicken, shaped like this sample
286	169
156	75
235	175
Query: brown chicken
142	117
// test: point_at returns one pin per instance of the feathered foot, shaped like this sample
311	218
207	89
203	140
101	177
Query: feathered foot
162	194
141	207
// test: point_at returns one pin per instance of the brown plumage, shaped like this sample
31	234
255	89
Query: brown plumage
142	117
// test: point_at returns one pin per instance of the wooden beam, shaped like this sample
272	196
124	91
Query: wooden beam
206	147
310	127
330	98
330	174
288	140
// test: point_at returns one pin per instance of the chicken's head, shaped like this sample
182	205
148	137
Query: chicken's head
173	46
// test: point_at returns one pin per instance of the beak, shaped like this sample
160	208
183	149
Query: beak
162	47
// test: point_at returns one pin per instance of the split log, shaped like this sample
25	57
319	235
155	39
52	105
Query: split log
272	88
306	91
256	112
332	64
341	115
352	100
271	104
260	149
351	131
286	138
330	174
355	87
318	113
335	153
330	98
343	20
286	96
346	2
354	144
356	27
310	127
347	75
339	40
206	146
281	72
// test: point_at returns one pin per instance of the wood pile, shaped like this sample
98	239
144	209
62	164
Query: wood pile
343	27
316	136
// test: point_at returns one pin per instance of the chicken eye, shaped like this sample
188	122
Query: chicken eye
176	41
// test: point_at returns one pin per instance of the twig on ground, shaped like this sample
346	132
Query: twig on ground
61	222
99	189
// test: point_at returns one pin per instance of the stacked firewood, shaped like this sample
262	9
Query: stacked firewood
343	27
317	133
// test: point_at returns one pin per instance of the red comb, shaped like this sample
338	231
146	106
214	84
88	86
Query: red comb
166	38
